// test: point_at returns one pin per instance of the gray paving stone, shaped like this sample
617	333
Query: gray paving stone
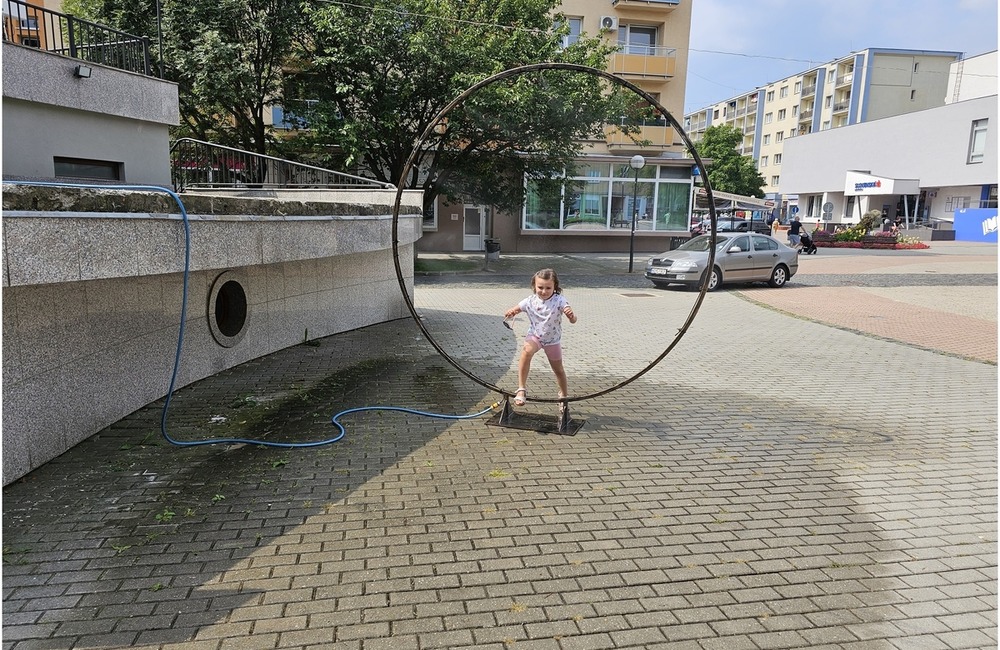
663	523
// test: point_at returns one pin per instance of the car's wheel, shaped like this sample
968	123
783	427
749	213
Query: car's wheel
714	279
779	276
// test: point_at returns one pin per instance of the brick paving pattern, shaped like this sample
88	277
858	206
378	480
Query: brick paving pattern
805	469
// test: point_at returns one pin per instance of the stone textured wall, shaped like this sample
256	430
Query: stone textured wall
92	300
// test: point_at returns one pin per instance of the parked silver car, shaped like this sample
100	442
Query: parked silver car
739	257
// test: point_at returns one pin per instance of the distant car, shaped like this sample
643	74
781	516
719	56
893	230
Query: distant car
739	257
733	224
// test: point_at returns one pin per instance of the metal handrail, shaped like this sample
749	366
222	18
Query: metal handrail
199	164
52	31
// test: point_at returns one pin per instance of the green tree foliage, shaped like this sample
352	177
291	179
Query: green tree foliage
376	76
729	170
227	57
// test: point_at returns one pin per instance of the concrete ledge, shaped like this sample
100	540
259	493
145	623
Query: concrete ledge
93	300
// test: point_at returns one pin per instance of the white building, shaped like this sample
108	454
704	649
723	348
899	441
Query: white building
862	86
922	166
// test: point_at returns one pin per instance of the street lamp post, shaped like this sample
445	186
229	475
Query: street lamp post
637	163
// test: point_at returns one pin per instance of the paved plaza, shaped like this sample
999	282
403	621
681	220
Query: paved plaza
808	467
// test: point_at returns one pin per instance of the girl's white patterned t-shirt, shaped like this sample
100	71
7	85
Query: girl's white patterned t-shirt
545	317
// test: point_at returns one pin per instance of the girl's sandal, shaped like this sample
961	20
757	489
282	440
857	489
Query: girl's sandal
521	396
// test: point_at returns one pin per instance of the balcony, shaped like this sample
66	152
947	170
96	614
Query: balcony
52	31
845	79
652	136
808	90
644	61
805	115
646	6
840	107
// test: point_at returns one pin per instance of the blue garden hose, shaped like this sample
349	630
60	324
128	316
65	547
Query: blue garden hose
335	420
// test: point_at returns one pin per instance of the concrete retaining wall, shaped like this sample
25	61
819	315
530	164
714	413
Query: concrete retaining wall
92	300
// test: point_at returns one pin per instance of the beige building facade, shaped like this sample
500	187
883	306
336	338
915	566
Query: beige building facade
860	87
652	38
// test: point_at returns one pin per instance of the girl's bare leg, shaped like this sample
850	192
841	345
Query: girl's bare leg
560	373
524	365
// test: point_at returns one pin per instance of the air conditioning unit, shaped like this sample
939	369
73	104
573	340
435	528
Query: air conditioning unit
609	22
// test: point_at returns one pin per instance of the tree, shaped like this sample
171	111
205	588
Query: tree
227	57
375	77
729	170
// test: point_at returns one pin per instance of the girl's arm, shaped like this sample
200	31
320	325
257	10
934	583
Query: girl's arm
569	313
512	312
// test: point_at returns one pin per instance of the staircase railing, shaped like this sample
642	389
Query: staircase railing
199	164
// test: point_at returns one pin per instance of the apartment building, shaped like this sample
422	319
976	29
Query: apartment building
936	166
652	38
862	86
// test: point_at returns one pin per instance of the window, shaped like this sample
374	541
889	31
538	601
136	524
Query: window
30	41
828	102
913	95
779	136
637	39
743	243
953	203
80	168
763	161
777	159
430	217
991	198
575	27
764	243
770	96
603	196
768	117
715	114
795	111
916	66
781	114
825	126
797	88
29	23
783	92
977	141
775	180
767	139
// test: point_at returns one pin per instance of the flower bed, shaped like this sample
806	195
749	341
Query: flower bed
880	240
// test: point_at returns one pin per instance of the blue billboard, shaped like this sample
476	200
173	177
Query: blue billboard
976	224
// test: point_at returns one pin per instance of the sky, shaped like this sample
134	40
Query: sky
738	45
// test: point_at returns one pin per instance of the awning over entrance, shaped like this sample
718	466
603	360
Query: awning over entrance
864	184
726	202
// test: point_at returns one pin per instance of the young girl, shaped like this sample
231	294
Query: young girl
545	308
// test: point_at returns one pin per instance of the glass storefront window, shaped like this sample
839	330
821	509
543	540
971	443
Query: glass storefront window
592	200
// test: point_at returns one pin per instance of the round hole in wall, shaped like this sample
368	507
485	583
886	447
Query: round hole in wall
228	309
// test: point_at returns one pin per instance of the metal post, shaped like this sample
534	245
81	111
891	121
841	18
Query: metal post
637	162
159	34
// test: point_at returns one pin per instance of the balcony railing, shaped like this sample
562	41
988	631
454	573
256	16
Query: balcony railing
808	90
845	79
805	115
52	31
197	164
841	106
654	134
644	61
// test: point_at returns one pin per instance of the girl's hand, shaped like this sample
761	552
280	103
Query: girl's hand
569	313
512	312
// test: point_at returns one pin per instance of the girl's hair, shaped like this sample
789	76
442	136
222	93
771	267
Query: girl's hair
547	274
